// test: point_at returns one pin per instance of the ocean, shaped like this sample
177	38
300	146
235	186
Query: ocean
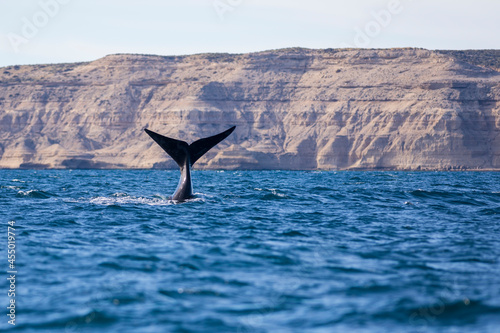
254	251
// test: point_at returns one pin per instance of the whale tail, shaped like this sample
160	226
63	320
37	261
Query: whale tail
182	152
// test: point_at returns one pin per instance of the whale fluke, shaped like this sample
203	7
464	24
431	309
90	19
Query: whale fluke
177	149
185	155
198	148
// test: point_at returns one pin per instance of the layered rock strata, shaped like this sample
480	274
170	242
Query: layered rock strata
402	109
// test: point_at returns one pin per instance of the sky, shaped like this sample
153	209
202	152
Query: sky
54	31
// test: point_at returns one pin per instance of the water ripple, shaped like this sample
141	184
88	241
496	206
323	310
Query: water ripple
269	251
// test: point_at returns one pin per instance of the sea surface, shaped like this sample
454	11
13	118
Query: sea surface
255	251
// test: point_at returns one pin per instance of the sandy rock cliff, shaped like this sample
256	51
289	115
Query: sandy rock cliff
294	109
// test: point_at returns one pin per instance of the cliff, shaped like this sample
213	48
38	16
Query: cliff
402	109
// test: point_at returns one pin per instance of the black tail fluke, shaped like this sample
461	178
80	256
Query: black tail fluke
198	148
177	149
181	150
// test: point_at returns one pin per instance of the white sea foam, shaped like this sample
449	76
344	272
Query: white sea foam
124	199
25	193
120	198
276	193
28	193
128	200
272	190
10	187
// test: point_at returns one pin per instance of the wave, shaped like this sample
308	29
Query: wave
434	194
446	312
73	323
271	194
35	194
293	233
17	188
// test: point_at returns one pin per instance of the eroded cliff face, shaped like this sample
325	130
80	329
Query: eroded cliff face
294	109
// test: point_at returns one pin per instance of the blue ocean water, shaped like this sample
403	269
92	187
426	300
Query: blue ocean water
268	251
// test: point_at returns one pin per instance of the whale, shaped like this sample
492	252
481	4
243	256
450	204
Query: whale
185	155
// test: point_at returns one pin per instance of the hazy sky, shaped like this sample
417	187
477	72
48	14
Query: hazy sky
49	31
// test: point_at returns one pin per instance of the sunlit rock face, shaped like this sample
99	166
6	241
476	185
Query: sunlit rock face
405	109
